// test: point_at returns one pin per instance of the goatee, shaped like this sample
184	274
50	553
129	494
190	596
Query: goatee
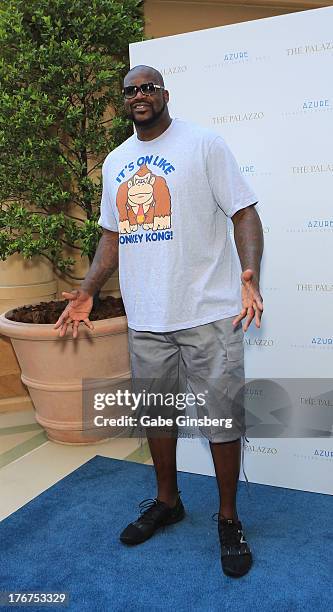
150	120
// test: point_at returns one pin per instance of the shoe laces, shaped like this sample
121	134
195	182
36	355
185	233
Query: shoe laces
150	510
229	530
149	505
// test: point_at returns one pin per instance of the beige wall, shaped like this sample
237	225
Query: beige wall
167	17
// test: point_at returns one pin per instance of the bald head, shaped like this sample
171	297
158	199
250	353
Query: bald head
148	109
146	72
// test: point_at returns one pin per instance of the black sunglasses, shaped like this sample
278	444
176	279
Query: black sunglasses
147	89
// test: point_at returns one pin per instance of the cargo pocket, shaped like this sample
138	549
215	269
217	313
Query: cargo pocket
235	351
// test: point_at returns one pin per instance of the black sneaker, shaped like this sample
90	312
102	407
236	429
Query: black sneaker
236	557
154	514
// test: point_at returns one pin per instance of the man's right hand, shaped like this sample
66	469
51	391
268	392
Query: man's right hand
78	309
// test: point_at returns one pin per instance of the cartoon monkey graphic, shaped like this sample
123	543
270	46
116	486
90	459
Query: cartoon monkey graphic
144	200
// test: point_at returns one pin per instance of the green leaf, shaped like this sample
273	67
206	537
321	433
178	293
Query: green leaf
61	70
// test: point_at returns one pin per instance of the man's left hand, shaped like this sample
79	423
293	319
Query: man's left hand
252	302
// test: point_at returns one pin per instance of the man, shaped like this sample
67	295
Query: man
167	194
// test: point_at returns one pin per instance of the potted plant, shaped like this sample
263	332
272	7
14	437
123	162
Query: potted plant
61	70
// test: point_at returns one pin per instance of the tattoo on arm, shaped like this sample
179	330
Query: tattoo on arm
249	239
104	263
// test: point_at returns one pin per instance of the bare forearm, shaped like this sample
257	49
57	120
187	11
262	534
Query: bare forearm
104	263
249	239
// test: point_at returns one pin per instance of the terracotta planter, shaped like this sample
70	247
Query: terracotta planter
53	370
25	281
21	282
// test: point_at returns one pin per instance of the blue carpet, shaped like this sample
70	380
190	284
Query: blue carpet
66	539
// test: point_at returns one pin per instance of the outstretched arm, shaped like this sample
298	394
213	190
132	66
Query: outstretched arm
104	263
80	303
249	242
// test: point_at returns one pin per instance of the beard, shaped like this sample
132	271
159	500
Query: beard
150	121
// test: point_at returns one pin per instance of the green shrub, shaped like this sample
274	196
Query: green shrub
62	63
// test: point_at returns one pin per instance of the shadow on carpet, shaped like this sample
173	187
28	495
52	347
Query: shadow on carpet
66	539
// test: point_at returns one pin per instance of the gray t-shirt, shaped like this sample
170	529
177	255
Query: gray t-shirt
170	199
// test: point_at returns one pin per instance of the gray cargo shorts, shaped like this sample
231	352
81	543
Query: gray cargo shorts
206	362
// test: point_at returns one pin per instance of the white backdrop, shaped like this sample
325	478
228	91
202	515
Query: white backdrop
267	87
